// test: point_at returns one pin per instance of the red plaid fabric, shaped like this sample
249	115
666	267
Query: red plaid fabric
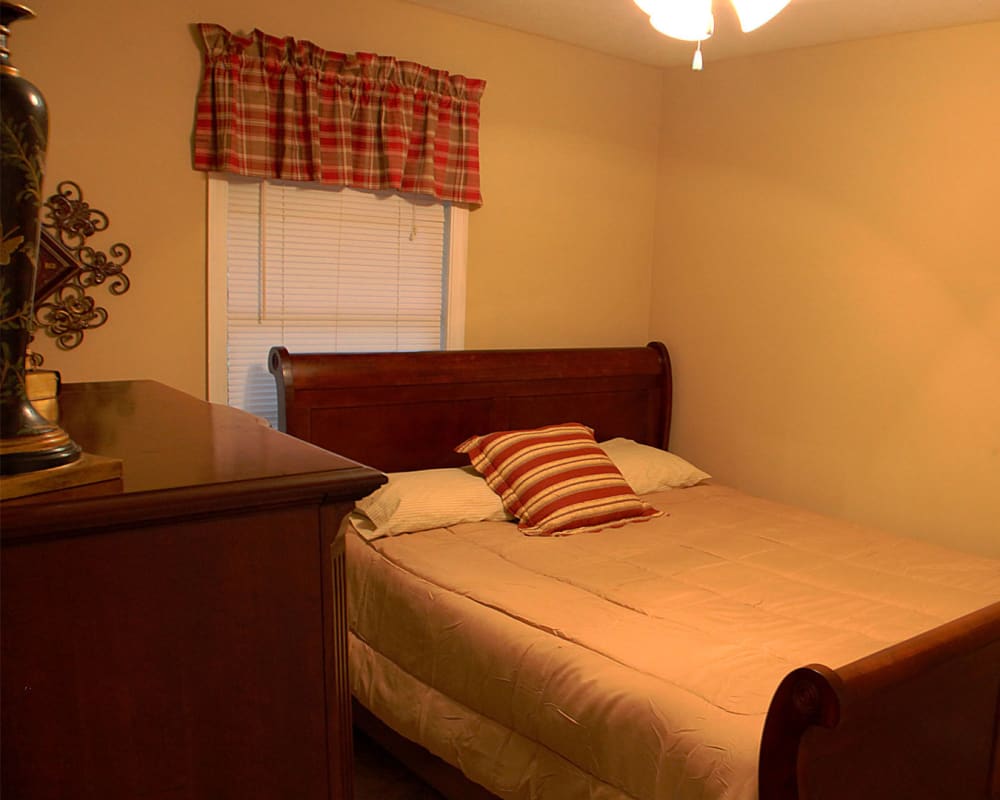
279	108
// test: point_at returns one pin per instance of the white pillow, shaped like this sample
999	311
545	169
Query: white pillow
429	498
649	469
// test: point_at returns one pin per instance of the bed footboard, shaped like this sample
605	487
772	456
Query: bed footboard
918	720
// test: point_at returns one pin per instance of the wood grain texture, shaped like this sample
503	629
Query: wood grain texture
399	411
182	458
916	720
178	639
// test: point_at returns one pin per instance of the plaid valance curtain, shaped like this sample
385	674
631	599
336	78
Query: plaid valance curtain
273	107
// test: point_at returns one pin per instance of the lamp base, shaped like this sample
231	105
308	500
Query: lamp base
89	476
51	447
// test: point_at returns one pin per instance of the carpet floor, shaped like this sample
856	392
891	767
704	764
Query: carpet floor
378	776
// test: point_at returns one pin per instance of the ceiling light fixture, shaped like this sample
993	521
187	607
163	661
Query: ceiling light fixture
692	20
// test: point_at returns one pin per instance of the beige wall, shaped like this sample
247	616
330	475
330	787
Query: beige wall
828	277
826	266
567	168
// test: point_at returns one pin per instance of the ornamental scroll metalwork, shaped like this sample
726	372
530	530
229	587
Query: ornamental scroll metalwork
68	268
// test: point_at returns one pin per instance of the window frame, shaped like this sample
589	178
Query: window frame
217	379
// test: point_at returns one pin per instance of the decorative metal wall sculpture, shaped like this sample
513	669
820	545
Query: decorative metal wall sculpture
68	268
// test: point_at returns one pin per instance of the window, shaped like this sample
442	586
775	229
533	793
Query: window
320	269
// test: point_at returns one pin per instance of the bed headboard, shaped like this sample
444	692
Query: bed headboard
404	411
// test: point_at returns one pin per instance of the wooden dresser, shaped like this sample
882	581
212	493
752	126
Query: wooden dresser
180	633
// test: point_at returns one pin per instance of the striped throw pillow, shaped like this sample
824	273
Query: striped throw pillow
555	480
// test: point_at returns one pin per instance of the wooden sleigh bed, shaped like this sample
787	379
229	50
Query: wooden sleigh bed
917	719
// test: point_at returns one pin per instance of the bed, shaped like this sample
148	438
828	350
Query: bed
877	675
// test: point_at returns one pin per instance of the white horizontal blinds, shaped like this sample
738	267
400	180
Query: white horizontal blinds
323	270
247	336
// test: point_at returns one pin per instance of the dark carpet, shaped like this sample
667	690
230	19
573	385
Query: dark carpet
378	776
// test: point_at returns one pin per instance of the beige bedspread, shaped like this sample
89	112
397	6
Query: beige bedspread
637	662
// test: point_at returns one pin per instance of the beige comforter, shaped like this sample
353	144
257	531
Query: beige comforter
637	662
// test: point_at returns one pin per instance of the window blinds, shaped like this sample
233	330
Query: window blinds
324	270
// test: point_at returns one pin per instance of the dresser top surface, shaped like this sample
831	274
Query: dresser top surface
169	439
171	442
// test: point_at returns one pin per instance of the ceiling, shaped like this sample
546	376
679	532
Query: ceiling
619	28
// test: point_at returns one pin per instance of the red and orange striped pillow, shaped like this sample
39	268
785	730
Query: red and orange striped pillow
555	479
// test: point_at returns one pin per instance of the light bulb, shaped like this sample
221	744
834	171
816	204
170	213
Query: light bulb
690	20
754	13
649	7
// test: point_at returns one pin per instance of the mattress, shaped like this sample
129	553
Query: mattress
635	662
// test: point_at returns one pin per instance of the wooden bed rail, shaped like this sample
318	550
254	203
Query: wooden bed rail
919	720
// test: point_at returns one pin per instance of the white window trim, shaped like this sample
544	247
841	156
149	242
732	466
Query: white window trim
218	190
